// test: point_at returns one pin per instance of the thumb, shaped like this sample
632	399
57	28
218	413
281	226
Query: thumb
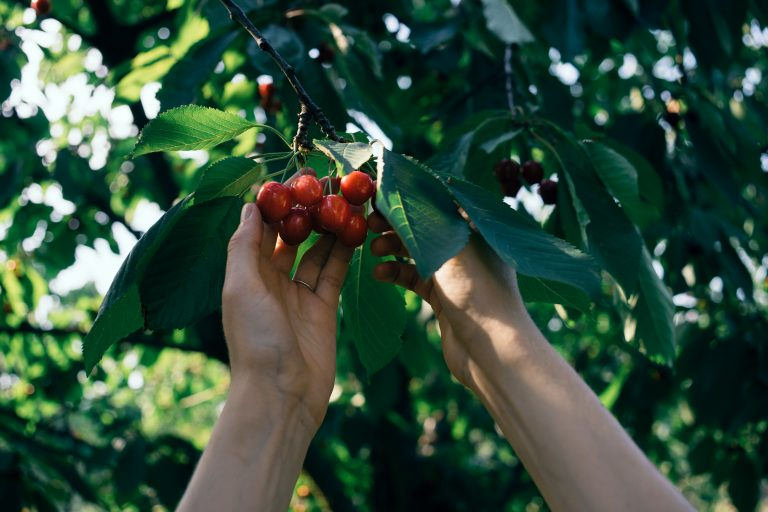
243	248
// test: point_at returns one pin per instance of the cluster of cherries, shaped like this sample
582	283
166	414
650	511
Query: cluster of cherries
309	203
509	174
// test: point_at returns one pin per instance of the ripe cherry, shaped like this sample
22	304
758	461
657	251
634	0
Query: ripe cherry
334	213
266	91
548	191
506	170
333	188
308	170
357	187
533	172
354	232
296	226
41	6
306	190
274	201
314	214
511	188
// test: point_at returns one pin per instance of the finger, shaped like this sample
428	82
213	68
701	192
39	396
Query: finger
377	223
388	244
405	275
332	275
242	251
268	240
313	260
284	256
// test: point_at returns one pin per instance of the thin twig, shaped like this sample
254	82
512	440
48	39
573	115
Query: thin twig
309	109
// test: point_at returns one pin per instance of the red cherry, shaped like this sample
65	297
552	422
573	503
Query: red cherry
306	190
334	187
357	187
533	172
41	6
308	170
334	213
548	191
266	90
274	201
354	232
511	188
314	214
296	226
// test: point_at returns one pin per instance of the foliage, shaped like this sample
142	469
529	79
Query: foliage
649	275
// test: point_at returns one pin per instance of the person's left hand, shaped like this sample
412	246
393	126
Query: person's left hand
281	332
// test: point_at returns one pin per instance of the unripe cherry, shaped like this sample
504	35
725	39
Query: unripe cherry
334	213
274	201
357	187
296	226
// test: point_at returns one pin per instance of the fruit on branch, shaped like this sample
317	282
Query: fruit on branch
274	201
533	172
548	191
296	226
357	187
333	188
314	214
266	92
41	6
506	170
326	53
511	188
307	170
306	190
354	233
334	213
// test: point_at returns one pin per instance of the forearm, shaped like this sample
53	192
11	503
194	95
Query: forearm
254	456
577	453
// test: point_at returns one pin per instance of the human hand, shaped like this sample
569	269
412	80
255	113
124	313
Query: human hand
281	332
474	296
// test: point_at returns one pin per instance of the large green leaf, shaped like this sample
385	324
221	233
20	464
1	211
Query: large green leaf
189	127
420	210
654	313
182	84
227	177
121	313
184	278
523	245
622	180
611	237
504	23
374	311
349	156
453	159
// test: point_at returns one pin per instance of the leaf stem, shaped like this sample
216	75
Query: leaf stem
309	109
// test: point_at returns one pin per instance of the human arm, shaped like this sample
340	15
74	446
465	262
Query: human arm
576	452
281	336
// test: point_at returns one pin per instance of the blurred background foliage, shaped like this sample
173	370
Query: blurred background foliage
681	82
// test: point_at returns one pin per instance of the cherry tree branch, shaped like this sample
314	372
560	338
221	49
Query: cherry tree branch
309	109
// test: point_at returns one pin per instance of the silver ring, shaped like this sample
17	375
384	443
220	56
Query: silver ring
305	284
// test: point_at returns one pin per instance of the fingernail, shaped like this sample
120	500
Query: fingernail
246	212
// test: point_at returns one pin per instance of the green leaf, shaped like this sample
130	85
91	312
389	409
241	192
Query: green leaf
654	313
491	145
120	313
182	84
611	237
621	178
183	280
374	311
349	156
420	210
504	23
189	127
227	177
523	245
535	289
453	161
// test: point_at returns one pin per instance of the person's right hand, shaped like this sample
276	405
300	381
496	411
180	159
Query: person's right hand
474	295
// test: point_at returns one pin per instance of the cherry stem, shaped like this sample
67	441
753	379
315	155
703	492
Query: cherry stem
309	109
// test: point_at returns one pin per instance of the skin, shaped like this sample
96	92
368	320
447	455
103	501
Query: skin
281	336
